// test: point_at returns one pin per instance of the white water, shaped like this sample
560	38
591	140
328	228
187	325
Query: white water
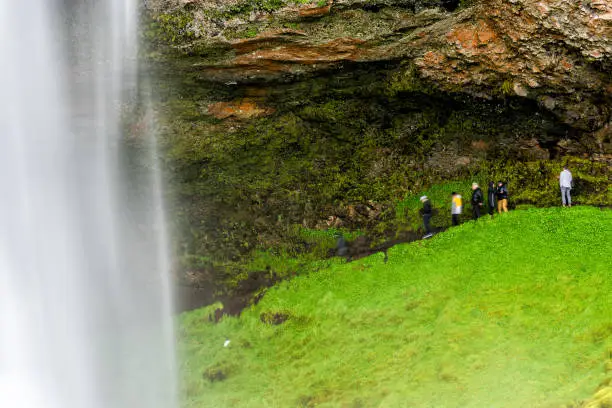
84	295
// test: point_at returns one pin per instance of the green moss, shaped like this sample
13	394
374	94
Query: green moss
246	6
467	3
506	88
406	80
245	32
172	28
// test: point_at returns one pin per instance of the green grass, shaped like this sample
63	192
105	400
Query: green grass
284	261
325	240
510	312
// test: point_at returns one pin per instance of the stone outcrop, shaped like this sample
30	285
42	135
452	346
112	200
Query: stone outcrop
241	108
555	52
276	54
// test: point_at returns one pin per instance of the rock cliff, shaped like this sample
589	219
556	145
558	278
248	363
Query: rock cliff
554	52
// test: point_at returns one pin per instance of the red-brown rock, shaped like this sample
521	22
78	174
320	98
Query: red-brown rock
240	109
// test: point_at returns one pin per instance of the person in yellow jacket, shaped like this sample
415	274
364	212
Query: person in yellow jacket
456	207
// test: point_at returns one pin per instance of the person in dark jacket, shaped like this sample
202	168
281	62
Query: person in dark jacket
492	197
477	200
427	213
502	197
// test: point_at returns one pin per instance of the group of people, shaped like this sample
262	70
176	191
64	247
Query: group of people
497	198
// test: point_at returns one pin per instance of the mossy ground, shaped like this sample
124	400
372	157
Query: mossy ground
510	312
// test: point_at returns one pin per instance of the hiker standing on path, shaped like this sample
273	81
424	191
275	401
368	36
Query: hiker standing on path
502	197
477	200
342	248
565	183
456	207
426	212
491	198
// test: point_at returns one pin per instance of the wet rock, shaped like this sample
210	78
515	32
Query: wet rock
519	89
272	55
315	12
241	109
463	161
549	103
531	150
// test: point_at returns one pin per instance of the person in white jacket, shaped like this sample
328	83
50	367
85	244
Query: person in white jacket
565	182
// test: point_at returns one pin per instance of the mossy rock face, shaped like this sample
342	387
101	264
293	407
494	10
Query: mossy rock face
319	147
270	118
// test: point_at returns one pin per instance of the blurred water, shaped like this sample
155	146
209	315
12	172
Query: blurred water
85	303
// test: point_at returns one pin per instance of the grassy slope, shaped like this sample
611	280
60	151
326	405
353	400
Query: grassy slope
514	312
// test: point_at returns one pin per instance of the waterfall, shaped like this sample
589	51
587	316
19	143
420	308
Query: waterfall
85	300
